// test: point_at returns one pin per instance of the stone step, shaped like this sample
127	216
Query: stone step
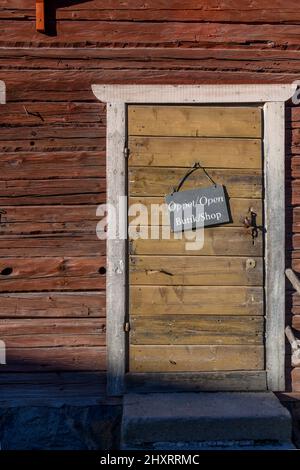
155	418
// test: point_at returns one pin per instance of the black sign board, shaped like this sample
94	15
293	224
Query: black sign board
197	208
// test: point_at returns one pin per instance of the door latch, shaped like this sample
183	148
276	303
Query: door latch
251	222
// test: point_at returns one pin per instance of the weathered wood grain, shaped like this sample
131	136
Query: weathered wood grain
229	241
51	273
239	208
195	270
70	283
44	113
296	322
214	152
173	59
32	333
194	121
274	165
36	165
161	181
116	249
55	359
162	300
265	54
43	138
152	33
230	11
196	381
48	214
52	191
145	59
75	85
52	305
186	358
36	340
195	329
59	242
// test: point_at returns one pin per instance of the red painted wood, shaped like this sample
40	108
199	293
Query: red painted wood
52	137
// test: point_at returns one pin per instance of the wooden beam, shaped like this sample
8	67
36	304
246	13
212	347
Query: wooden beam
274	144
40	15
293	279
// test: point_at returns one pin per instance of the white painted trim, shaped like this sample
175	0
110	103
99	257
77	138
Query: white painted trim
2	92
116	250
193	93
274	202
273	97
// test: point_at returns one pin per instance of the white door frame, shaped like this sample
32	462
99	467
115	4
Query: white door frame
273	98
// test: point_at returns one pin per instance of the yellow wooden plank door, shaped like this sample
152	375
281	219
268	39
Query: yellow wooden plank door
196	311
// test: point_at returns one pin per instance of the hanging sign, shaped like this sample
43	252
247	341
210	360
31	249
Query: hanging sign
195	208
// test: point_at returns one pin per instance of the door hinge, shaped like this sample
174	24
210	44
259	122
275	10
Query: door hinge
126	152
127	327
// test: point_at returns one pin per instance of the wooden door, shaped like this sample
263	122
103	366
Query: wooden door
198	316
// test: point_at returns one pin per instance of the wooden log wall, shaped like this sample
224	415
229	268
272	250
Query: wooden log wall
52	141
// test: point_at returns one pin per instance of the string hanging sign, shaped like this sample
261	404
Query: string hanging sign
200	207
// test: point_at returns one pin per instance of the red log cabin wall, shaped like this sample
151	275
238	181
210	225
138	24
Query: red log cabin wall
52	165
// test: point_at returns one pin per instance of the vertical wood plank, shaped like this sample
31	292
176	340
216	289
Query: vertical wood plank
116	273
275	243
40	15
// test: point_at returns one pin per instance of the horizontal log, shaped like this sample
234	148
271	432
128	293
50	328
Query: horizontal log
55	273
194	121
172	61
44	113
217	153
162	300
33	333
58	326
48	214
230	11
105	32
194	270
296	322
161	181
52	191
70	283
296	265
52	305
181	358
63	85
52	132
62	244
91	58
291	213
294	244
35	165
195	329
35	340
49	220
221	241
37	139
50	266
55	359
51	378
239	208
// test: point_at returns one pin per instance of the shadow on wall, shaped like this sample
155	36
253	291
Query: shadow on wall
50	13
58	411
290	214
